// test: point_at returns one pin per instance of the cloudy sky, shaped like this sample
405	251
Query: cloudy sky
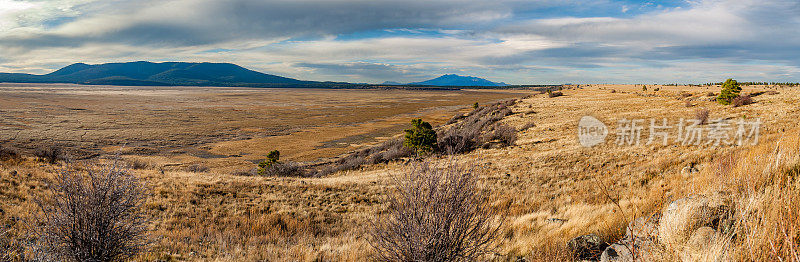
514	41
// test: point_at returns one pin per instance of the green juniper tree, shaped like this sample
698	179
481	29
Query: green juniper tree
421	137
272	158
730	90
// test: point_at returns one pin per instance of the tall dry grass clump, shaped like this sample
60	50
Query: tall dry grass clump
91	216
436	214
765	184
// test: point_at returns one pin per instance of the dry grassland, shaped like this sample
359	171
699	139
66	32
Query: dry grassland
550	187
222	129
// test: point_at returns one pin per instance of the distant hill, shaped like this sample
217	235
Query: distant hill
144	73
149	74
391	83
457	80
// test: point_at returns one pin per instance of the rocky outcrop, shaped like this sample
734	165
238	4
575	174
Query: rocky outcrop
586	247
683	216
639	244
695	228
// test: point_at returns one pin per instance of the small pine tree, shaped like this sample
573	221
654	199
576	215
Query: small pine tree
644	88
272	158
421	137
730	90
475	105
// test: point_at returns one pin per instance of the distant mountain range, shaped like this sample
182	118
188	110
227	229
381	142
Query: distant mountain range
200	74
452	80
160	74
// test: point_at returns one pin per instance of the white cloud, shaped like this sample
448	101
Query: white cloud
698	42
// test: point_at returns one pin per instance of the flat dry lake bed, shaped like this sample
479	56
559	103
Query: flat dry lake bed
221	127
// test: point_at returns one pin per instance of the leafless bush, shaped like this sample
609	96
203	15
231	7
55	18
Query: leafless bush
456	141
554	94
139	164
527	126
711	94
285	169
245	172
8	153
742	101
51	154
92	216
505	134
613	91
465	135
436	215
685	95
455	119
385	152
702	115
395	152
688	103
771	92
11	249
196	168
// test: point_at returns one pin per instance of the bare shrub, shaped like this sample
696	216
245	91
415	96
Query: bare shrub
436	214
456	141
385	152
527	126
711	94
688	103
245	172
505	134
613	91
92	216
139	164
284	169
554	94
393	153
701	115
685	95
466	134
742	101
771	92
51	154
197	168
455	119
11	248
8	153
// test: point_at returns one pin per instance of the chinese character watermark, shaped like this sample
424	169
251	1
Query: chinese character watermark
688	132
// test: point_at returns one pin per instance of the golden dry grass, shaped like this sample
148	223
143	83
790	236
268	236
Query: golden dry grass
551	188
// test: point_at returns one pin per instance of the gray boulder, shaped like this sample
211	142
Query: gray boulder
586	247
